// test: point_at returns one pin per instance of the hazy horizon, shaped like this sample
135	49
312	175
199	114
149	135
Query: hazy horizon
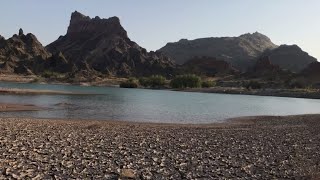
153	24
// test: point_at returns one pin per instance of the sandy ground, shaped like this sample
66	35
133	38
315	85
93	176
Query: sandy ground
245	148
17	91
107	81
17	78
6	107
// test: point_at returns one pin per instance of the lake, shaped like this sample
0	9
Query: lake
145	105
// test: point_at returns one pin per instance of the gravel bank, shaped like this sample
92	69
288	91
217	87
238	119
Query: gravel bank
252	148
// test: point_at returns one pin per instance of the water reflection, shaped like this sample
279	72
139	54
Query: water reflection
154	105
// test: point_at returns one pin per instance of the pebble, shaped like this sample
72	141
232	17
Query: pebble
271	147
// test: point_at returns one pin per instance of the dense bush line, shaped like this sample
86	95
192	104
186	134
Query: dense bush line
186	81
158	81
130	83
155	81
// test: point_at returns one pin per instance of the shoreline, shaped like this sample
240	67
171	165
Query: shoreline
114	82
9	107
290	93
230	122
264	147
22	91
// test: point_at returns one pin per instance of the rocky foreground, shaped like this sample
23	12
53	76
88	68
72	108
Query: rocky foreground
251	148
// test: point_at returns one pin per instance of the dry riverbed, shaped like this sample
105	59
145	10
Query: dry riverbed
251	148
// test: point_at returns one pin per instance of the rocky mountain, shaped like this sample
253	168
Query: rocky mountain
264	68
208	66
312	72
240	51
291	57
22	54
103	46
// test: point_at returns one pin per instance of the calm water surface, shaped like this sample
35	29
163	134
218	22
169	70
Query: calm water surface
153	105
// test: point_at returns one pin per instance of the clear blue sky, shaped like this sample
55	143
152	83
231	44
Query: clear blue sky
153	23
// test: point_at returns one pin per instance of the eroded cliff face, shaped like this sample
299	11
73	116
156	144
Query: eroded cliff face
102	45
81	25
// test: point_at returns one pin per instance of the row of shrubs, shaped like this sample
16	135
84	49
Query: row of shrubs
157	81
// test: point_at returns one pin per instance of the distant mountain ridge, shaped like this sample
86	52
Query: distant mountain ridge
238	51
242	52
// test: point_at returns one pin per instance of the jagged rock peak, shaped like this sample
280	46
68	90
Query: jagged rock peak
256	34
24	47
77	16
20	32
80	23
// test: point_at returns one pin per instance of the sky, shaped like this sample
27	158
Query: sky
153	23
